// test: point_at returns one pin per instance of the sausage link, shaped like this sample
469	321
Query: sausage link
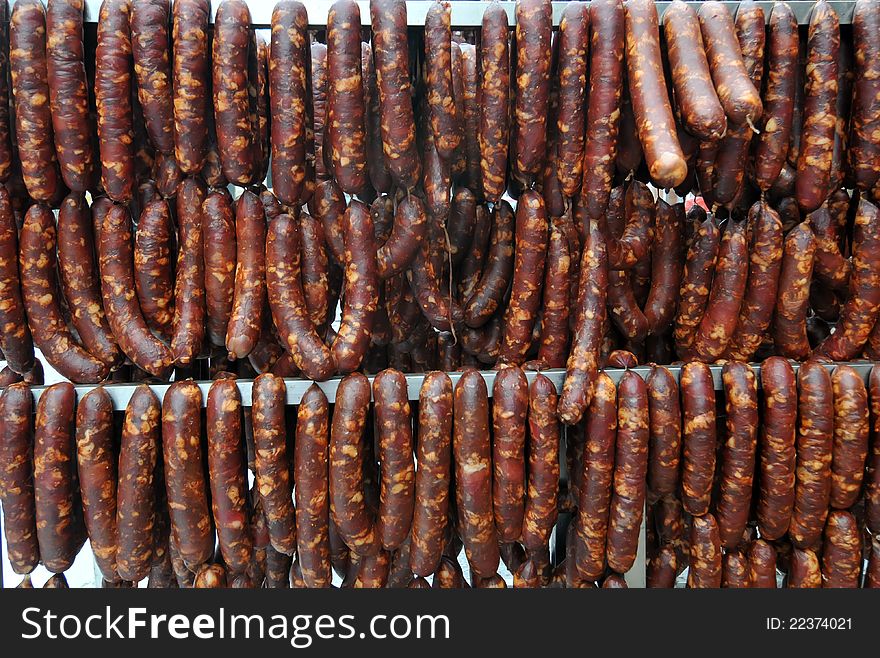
188	323
872	572
489	292
153	269
696	282
473	474
872	473
348	507
136	493
314	269
184	473
15	339
629	243
260	116
725	298
812	492
30	89
436	303
56	498
6	140
650	102
96	468
543	465
662	568
471	269
778	460
704	563
819	116
510	400
152	66
623	309
328	206
765	261
17	477
219	243
191	77
583	359
792	301
841	551
460	224
470	113
494	131
555	303
246	319
666	268
318	52
574	43
762	564
407	235
377	168
118	292
531	103
851	432
698	437
864	147
665	432
68	93
804	570
445	123
43	302
735	570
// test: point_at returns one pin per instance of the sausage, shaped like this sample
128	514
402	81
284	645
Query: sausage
862	307
473	475
666	269
30	90
287	302
698	437
726	295
17	477
705	553
96	469
510	400
804	570
444	121
190	78
623	309
696	281
776	481
56	499
260	116
469	148
812	492
79	279
529	259
583	358
792	301
460	224
494	131
695	96
736	91
407	235
765	261
555	303
328	206
762	565
820	116
851	431
68	93
6	142
471	268
135	494
543	465
738	453
220	246
377	169
735	570
841	551
345	97
153	272
492	286
391	53
872	571
664	447
244	325
629	244
348	508
361	296
872	473
16	341
184	473
314	269
574	42
864	147
43	303
630	467
662	568
647	87
188	323
117	287
152	67
312	502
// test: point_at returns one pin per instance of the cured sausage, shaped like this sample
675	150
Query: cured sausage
15	339
662	568
117	290
696	282
219	243
666	269
407	235
629	244
153	269
819	117
704	563
96	470
555	303
470	113
17	477
445	123
793	296
851	431
188	323
391	52
150	47
460	224
533	33
841	551
56	500
68	93
510	400
315	269
695	96
261	117
246	319
574	43
762	564
473	474
804	570
738	453
543	465
776	481
80	283
647	87
664	447
287	301
319	106
190	78
698	437
864	146
136	491
43	302
735	570
6	142
377	169
312	501
872	473
812	492
30	90
492	286
348	507
471	269
494	132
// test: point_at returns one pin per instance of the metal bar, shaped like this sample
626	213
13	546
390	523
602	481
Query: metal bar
467	14
121	393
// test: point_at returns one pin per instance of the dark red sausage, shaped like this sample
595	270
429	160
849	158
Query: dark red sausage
188	324
533	33
445	123
543	465
407	234
150	45
574	42
698	437
864	146
665	432
666	268
792	301
15	340
6	145
851	431
804	570
191	77
220	248
153	268
762	564
696	282
315	269
377	168
495	100
841	551
510	399
246	319
705	553
872	473
490	290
